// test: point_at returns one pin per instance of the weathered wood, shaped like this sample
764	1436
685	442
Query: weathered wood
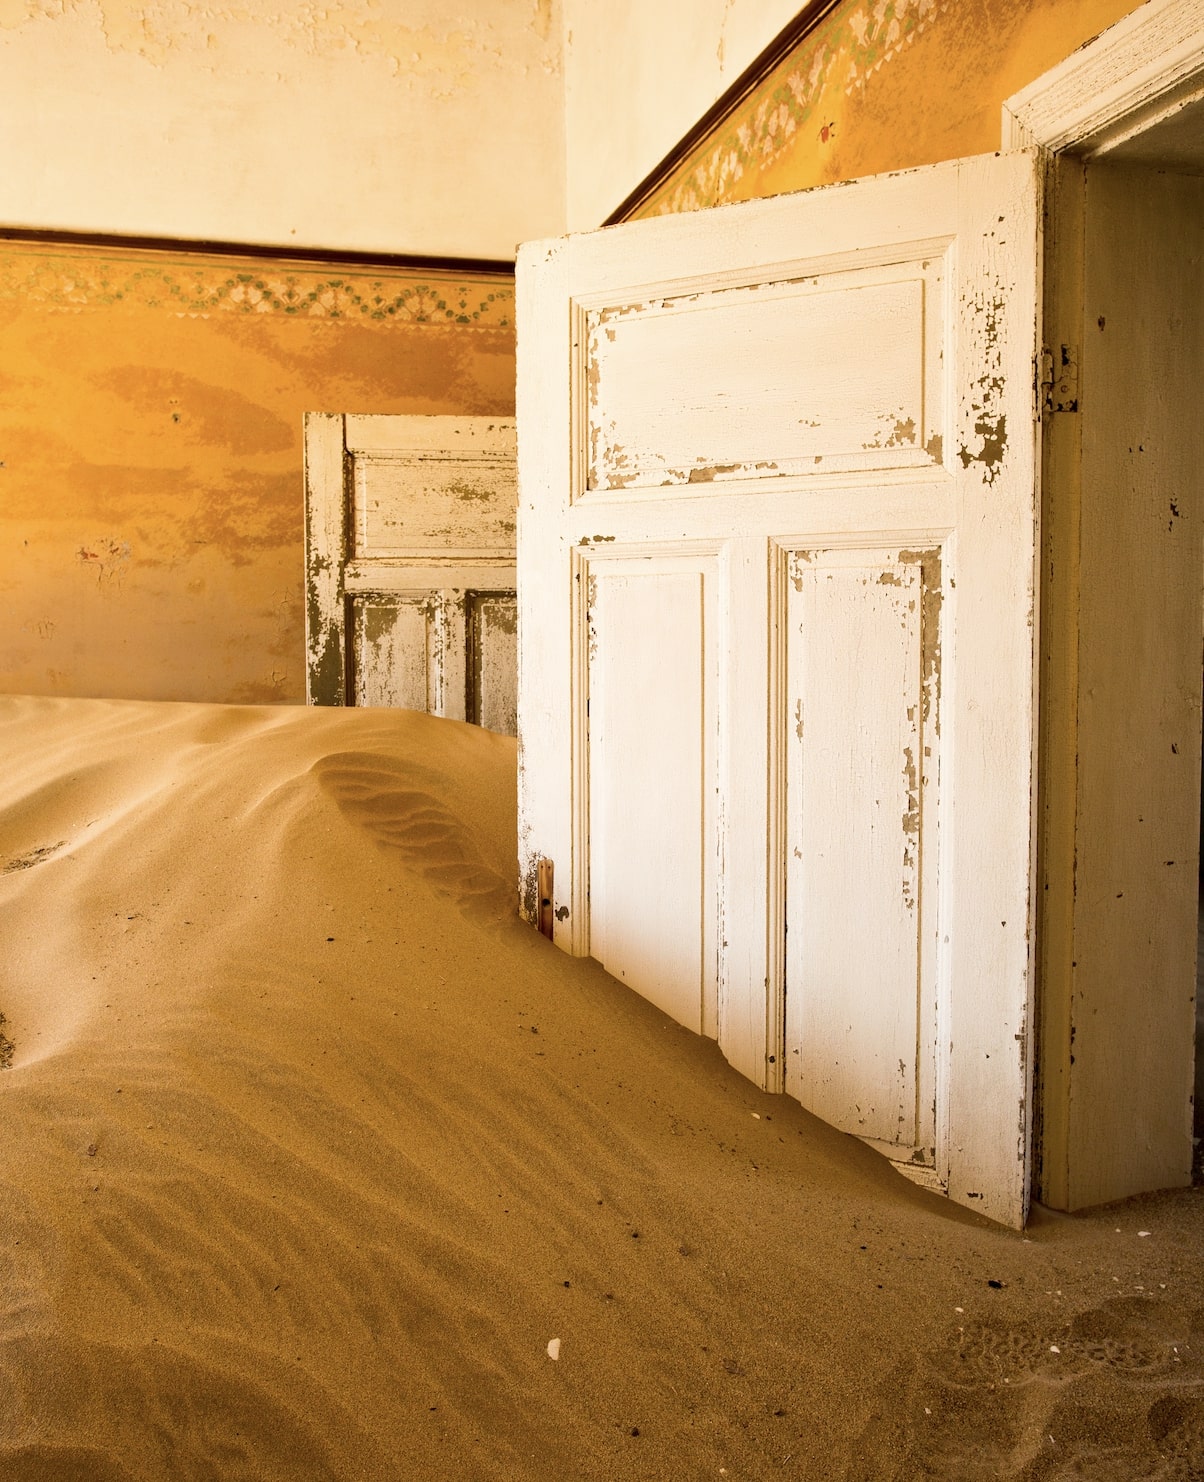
412	568
493	661
1061	577
708	415
391	640
1145	68
416	505
858	1004
1118	1100
326	552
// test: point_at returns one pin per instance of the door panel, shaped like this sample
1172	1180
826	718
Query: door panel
391	646
651	821
863	722
419	504
783	398
493	633
846	373
410	565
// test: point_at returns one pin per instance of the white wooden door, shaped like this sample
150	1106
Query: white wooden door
777	542
409	557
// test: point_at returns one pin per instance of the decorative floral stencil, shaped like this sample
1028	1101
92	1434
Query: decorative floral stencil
843	53
77	279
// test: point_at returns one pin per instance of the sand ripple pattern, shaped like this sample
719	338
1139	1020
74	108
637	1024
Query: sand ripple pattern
301	1172
240	1423
397	806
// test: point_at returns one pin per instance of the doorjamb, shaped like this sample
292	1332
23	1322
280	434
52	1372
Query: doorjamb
1145	68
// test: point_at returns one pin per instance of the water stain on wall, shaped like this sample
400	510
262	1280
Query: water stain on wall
192	410
420	40
155	409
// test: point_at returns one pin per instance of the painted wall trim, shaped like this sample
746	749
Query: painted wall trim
1146	67
105	274
722	109
178	246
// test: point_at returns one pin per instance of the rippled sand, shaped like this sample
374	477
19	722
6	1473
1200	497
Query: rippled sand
308	1151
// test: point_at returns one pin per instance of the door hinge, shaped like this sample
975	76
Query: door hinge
1058	381
544	885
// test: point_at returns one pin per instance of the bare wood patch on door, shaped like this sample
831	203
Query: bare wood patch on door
986	442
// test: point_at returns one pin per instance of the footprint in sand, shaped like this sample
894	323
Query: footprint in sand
395	805
1176	1425
1114	1395
1127	1336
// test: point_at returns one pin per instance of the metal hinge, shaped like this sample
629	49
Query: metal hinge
1058	382
544	886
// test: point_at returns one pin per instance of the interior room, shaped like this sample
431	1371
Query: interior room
516	518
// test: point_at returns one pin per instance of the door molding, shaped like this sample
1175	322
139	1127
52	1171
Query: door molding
1145	68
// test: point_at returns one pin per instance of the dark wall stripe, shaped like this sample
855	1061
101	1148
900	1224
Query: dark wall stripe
717	115
178	247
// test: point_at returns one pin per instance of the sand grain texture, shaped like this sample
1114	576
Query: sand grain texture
308	1149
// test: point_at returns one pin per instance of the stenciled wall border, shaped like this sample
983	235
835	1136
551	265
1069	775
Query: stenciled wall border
754	122
79	275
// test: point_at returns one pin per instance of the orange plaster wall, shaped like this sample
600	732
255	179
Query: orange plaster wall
151	486
883	85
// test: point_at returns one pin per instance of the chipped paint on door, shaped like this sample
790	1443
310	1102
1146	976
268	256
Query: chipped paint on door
784	398
493	640
778	395
410	565
863	692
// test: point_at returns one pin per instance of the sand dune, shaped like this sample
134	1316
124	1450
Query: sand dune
309	1149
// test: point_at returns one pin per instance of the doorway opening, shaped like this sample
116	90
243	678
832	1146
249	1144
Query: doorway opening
1197	1125
1121	682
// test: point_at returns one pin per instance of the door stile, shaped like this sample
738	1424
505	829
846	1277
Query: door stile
548	396
777	836
936	940
326	553
580	942
748	986
990	841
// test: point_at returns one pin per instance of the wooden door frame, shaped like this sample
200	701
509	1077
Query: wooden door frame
1141	70
1138	73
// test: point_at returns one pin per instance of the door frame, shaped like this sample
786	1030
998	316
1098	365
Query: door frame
1138	73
